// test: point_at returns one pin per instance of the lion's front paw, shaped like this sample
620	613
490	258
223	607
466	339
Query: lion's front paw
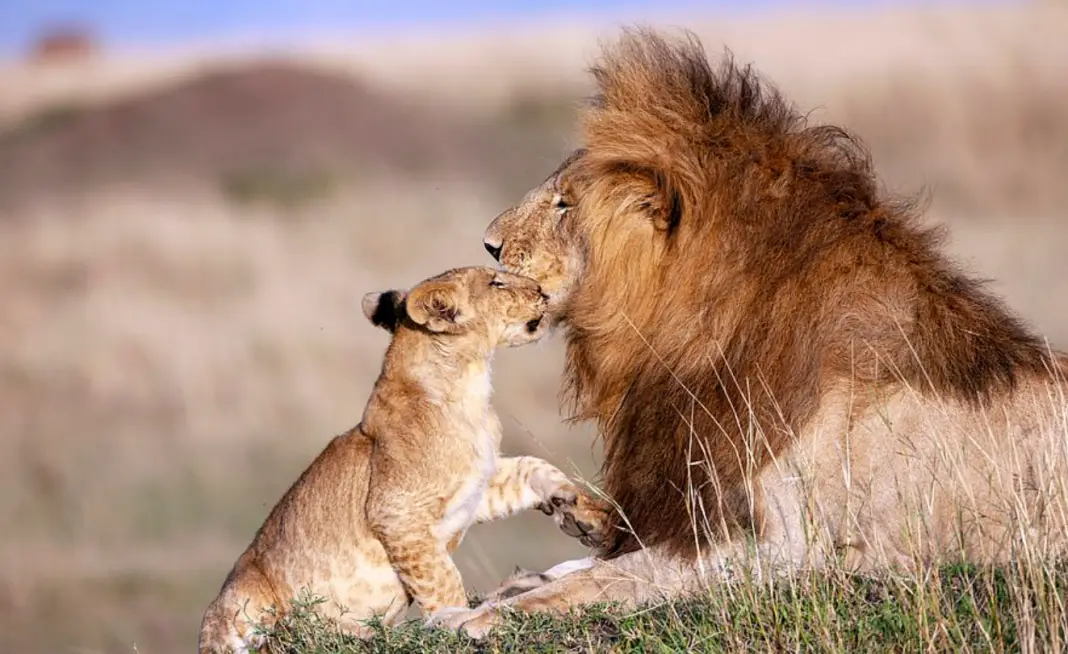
475	623
518	583
448	618
482	620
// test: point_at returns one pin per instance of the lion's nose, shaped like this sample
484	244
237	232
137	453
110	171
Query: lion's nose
494	249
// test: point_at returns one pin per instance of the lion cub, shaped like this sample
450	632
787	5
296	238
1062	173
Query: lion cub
370	524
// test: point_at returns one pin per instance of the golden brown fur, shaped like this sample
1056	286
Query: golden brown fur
371	522
774	258
758	331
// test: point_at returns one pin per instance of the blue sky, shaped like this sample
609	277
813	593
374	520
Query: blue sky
137	22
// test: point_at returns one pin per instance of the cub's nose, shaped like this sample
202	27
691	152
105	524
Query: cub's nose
494	249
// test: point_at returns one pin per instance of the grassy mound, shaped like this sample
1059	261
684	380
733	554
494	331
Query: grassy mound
957	608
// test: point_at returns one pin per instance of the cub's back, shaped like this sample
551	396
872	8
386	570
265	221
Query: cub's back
320	522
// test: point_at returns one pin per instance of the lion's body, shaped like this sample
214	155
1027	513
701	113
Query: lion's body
370	524
772	350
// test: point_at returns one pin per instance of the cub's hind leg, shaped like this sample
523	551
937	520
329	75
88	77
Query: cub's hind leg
230	622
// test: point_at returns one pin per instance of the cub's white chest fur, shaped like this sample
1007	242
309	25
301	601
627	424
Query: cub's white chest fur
479	435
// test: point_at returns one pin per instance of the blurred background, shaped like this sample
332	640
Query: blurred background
194	196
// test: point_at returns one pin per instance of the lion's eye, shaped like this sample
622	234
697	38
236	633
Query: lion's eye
559	202
496	283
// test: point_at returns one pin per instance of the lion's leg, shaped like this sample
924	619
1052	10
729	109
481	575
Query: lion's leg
652	575
523	580
527	482
628	580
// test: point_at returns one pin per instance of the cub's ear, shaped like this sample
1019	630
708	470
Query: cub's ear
384	309
435	305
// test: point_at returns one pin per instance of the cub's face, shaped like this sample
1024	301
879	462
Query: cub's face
537	238
500	308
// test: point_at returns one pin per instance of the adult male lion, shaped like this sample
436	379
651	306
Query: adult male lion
773	352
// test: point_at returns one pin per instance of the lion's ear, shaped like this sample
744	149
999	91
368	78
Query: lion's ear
647	190
661	202
435	305
384	309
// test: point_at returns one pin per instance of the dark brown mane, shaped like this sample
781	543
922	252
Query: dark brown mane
740	263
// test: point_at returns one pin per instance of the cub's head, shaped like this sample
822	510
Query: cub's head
537	238
494	306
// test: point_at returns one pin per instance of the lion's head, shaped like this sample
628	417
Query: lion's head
717	263
535	237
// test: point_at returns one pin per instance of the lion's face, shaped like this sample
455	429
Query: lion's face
533	239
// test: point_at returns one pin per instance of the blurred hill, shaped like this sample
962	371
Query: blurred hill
278	130
185	236
976	112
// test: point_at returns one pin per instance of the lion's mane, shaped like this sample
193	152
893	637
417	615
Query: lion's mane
770	268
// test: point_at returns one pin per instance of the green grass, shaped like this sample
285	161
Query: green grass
955	609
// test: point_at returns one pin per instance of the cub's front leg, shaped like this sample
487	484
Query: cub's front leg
418	556
527	482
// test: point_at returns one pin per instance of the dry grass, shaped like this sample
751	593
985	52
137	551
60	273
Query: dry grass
172	360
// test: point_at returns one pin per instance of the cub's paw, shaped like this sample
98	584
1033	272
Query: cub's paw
577	514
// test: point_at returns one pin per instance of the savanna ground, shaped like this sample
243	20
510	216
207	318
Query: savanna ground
184	238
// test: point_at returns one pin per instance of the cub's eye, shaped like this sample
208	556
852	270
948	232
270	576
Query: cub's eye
496	283
559	202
